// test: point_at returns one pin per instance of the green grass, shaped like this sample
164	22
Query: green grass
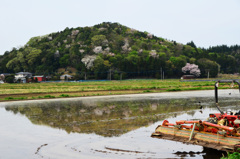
234	155
49	96
9	98
77	89
64	95
174	89
146	91
15	98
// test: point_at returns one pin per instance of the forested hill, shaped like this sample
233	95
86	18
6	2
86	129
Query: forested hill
94	51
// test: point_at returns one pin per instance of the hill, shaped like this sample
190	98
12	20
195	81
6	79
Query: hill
94	52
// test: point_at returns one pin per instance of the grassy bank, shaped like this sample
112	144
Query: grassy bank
78	89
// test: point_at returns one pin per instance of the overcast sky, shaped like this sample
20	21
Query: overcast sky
205	22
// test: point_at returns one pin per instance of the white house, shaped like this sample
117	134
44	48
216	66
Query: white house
66	76
22	76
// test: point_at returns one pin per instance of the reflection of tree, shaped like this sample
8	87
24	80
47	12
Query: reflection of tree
191	113
106	119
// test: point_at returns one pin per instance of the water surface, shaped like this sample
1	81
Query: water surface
105	127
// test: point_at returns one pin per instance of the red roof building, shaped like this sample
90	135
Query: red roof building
40	78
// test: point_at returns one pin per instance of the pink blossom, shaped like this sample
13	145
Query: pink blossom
192	68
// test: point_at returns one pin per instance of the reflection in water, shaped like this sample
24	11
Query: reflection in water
207	153
106	119
123	128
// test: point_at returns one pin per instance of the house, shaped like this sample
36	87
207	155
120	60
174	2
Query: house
66	77
188	77
39	78
22	76
6	74
48	77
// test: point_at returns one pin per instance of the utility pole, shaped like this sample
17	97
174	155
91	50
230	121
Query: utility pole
110	74
208	74
110	64
161	74
120	75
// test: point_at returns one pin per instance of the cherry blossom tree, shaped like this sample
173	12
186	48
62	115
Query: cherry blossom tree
88	60
153	53
192	69
2	77
98	49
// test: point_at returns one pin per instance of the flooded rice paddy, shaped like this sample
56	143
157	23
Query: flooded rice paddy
105	127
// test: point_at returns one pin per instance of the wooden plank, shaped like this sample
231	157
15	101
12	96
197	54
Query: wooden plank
205	139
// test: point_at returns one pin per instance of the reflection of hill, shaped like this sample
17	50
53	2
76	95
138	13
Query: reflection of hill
106	119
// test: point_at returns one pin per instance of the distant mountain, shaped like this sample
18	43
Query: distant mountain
94	52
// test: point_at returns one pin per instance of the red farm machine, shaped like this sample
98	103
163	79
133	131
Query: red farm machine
220	131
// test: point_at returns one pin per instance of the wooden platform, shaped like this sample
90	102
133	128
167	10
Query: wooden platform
210	140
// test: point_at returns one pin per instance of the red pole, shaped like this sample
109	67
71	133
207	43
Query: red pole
231	129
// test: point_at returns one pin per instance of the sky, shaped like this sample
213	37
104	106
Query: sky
205	22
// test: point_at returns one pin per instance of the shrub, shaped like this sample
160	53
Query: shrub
64	95
10	79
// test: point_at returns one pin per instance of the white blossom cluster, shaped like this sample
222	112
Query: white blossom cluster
2	77
140	51
68	46
149	35
81	51
102	29
56	54
125	46
192	68
133	30
98	49
80	45
107	50
111	54
88	60
153	53
75	32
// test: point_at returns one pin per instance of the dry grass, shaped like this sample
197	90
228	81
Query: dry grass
78	89
229	76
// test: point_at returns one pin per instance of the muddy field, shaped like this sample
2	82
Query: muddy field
105	127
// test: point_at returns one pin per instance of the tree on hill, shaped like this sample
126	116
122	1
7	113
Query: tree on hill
137	54
192	44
